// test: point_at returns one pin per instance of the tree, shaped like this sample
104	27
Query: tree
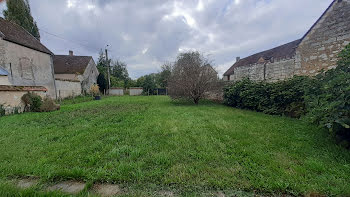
102	82
164	75
18	11
119	70
192	77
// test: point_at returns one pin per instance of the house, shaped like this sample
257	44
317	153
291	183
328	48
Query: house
24	60
317	50
74	74
25	66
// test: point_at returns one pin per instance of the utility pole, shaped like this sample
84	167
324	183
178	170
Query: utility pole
108	72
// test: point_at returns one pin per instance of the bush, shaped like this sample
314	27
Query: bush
280	98
324	99
95	90
32	102
48	105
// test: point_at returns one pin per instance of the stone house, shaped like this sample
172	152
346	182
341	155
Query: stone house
25	66
26	61
317	50
74	75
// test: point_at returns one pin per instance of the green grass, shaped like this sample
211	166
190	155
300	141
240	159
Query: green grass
151	142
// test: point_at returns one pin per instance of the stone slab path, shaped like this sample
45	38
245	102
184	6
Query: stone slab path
69	187
26	183
106	190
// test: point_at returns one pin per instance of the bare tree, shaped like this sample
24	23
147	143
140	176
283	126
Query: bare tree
192	77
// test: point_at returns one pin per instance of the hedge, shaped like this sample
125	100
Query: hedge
324	99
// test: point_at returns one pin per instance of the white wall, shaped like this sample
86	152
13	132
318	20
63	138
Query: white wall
4	80
116	91
135	92
67	88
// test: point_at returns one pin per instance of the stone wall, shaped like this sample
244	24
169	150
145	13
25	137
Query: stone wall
68	88
270	71
320	47
27	67
4	80
90	76
12	100
135	91
116	91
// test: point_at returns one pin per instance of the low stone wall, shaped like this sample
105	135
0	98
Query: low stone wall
116	91
68	88
135	91
11	97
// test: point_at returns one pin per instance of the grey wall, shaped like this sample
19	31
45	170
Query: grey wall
27	67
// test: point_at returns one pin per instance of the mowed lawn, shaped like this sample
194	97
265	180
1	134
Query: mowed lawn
152	142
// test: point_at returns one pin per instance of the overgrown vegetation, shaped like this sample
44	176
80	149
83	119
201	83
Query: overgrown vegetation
151	142
34	103
324	99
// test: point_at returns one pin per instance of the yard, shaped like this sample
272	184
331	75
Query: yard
150	144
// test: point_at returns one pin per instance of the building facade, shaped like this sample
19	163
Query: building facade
70	69
317	50
26	61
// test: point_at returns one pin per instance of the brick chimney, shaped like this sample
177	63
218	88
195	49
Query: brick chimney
237	59
70	53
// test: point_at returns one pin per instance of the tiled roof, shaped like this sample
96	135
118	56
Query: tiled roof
281	52
22	88
69	64
16	34
3	72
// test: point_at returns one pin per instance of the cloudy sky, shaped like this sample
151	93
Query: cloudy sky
146	33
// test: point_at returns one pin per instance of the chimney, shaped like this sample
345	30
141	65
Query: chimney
237	59
70	53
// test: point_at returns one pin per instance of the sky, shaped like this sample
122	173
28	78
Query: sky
147	33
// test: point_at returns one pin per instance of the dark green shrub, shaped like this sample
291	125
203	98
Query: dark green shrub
2	110
32	102
328	97
280	98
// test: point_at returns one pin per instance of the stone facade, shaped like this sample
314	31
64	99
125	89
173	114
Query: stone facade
316	51
90	76
27	67
320	46
68	88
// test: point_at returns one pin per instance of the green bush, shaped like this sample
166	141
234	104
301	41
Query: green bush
32	102
280	98
324	99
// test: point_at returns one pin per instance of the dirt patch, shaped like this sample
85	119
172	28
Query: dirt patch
107	189
26	183
70	187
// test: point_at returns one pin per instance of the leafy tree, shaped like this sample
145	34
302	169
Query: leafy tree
18	11
164	75
192	77
149	83
119	70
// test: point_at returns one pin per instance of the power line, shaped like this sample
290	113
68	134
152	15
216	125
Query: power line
69	40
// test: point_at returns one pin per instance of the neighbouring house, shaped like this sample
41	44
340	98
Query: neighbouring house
74	75
25	66
317	50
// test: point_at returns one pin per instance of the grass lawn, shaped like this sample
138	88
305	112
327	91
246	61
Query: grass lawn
151	143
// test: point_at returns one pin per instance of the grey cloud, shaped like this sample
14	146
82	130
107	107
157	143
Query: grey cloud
145	33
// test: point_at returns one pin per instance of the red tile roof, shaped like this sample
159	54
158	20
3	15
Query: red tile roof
22	88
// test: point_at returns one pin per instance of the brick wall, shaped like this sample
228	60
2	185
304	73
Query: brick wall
320	48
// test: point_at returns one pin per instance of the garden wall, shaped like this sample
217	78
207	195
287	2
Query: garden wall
68	88
136	91
116	91
11	96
